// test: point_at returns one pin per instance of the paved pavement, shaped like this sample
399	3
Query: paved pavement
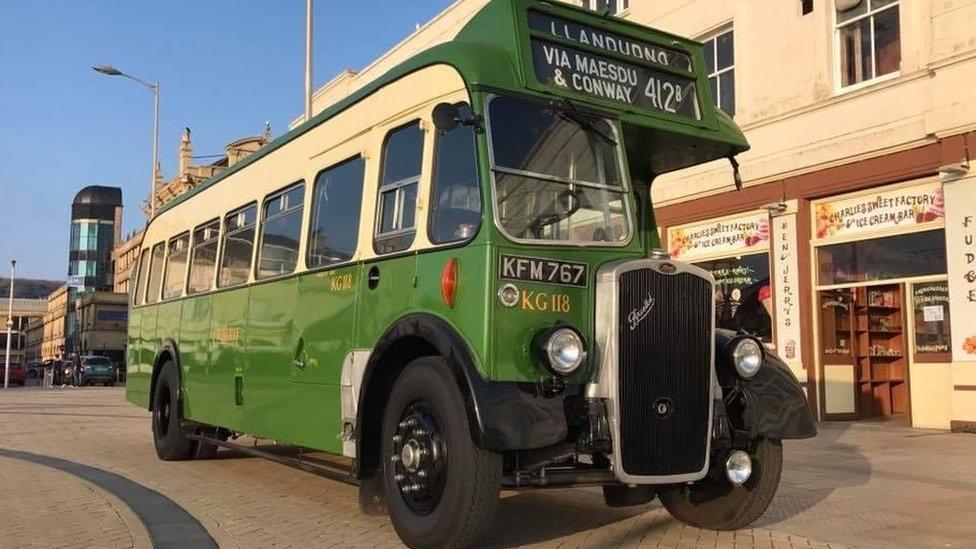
864	485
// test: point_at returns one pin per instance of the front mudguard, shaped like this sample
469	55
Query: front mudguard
775	405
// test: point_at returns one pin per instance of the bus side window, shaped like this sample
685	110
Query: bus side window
203	257
281	231
397	209
156	272
174	277
455	209
140	292
235	262
336	206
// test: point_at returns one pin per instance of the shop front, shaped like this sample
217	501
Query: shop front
861	276
882	310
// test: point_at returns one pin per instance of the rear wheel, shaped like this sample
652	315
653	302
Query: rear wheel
168	434
717	504
440	489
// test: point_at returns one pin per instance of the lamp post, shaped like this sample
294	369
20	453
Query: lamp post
309	5
10	324
109	70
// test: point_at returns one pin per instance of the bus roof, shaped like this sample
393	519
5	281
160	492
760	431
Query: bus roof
561	52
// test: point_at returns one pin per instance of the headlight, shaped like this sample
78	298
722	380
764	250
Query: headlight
747	355
561	350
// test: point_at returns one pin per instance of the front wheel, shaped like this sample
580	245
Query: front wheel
440	489
717	504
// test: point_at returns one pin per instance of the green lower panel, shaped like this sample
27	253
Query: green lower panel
228	336
199	395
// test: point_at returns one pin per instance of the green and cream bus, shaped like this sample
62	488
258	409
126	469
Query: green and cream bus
451	280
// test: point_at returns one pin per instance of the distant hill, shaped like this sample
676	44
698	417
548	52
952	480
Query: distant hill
27	288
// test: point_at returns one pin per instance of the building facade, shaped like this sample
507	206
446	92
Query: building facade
53	342
24	312
850	249
102	318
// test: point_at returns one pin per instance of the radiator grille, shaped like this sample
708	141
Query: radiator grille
665	358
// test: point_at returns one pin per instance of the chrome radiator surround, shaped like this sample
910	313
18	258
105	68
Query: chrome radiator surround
605	382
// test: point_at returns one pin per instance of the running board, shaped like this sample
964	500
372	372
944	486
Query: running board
304	462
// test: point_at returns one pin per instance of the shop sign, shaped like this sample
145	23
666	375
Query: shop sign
786	272
883	210
961	252
739	235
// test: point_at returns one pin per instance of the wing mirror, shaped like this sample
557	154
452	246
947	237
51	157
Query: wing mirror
447	116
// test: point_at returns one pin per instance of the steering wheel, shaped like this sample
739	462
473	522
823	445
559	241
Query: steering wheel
544	221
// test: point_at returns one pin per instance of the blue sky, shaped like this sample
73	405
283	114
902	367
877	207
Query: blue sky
225	67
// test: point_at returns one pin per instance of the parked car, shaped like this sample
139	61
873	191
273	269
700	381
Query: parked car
35	370
94	369
18	374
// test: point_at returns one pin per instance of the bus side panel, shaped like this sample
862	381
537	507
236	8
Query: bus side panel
472	297
270	408
198	397
168	317
325	323
148	347
394	296
228	339
138	373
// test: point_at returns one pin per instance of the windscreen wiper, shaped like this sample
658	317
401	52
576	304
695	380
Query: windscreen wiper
569	111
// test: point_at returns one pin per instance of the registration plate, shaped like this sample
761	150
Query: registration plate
543	271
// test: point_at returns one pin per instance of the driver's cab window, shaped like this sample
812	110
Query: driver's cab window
557	174
403	155
455	210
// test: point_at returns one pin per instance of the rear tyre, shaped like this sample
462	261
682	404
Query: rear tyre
718	504
440	489
168	434
620	495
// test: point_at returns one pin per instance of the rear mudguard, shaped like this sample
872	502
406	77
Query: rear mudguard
775	404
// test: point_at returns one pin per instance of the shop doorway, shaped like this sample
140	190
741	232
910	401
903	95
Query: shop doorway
864	352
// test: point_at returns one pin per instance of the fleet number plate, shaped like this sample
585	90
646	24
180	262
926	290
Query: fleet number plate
544	271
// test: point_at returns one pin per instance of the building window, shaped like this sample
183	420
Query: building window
615	7
235	263
336	207
175	277
743	295
397	210
156	273
806	7
720	61
281	231
203	260
904	256
868	33
931	310
455	212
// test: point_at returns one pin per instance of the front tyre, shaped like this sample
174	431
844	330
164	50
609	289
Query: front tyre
440	489
168	434
717	504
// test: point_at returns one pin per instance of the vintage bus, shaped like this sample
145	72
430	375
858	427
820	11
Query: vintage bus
453	279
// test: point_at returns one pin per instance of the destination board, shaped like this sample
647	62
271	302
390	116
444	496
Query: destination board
638	50
618	81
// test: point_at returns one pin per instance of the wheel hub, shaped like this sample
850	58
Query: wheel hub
419	458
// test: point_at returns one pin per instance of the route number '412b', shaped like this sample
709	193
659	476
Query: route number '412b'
545	271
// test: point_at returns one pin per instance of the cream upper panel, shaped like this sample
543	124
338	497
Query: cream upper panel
359	130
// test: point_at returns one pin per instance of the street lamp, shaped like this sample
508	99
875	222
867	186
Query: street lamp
10	324
109	70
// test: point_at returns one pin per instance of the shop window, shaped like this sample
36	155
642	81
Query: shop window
235	263
720	61
869	36
336	207
743	295
281	231
615	7
931	310
903	256
455	212
397	210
